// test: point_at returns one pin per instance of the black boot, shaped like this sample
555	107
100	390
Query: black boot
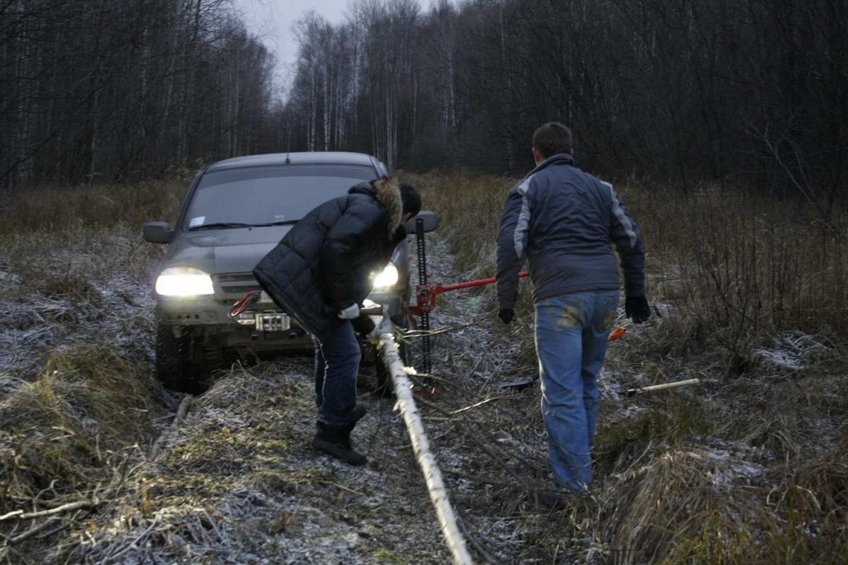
355	415
335	442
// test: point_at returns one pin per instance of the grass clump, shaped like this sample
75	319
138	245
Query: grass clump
470	209
678	506
383	555
812	500
663	420
736	268
63	429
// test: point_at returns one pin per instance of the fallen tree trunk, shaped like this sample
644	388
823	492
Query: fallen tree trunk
433	476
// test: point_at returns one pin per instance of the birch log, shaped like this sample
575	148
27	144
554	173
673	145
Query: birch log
421	446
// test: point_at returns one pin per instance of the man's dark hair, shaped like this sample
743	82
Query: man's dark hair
552	138
411	199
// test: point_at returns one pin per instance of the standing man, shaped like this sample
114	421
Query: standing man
320	274
564	222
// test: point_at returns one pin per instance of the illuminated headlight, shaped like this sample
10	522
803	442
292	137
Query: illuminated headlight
183	281
388	277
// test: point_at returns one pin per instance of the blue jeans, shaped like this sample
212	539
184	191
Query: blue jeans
337	356
571	343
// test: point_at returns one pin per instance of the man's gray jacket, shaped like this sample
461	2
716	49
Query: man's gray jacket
565	222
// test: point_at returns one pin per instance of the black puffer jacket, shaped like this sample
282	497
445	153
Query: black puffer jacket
323	263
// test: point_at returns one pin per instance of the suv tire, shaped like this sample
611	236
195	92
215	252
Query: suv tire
174	367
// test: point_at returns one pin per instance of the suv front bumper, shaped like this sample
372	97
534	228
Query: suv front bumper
262	325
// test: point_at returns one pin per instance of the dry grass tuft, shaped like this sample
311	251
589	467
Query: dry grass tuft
470	208
683	505
812	500
737	269
64	208
69	440
62	430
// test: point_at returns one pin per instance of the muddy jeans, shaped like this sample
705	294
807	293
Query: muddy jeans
571	342
337	358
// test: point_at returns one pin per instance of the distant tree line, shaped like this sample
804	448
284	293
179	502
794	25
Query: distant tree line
99	89
751	92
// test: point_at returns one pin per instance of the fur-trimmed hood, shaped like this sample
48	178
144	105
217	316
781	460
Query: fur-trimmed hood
387	192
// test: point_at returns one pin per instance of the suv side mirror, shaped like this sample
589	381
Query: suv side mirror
428	218
157	232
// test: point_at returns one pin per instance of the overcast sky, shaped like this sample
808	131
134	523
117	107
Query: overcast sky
272	21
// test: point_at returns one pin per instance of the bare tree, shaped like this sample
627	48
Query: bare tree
98	89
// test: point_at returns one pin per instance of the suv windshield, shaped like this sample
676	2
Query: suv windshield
268	194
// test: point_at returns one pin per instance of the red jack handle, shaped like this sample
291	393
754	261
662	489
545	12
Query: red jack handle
426	297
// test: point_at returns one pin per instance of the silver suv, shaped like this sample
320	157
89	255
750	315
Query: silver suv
233	213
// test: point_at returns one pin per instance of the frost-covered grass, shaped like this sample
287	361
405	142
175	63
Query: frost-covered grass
750	466
78	402
740	270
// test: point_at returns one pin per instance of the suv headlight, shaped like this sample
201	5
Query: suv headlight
183	281
387	278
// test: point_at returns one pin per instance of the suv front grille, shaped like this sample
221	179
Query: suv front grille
235	285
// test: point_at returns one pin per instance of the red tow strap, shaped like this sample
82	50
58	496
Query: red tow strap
242	303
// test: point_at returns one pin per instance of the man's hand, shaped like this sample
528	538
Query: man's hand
637	308
350	313
506	315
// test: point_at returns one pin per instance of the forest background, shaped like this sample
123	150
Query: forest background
741	93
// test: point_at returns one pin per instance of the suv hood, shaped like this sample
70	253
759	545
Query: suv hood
223	251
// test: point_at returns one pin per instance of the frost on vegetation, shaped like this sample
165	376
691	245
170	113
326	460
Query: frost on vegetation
725	469
723	466
8	280
236	481
240	485
791	350
609	383
116	305
662	309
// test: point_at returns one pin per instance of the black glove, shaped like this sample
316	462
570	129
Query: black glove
637	308
506	315
363	325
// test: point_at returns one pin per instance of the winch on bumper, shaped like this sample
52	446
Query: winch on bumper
262	319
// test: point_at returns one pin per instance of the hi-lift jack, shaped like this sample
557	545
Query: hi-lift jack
425	302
